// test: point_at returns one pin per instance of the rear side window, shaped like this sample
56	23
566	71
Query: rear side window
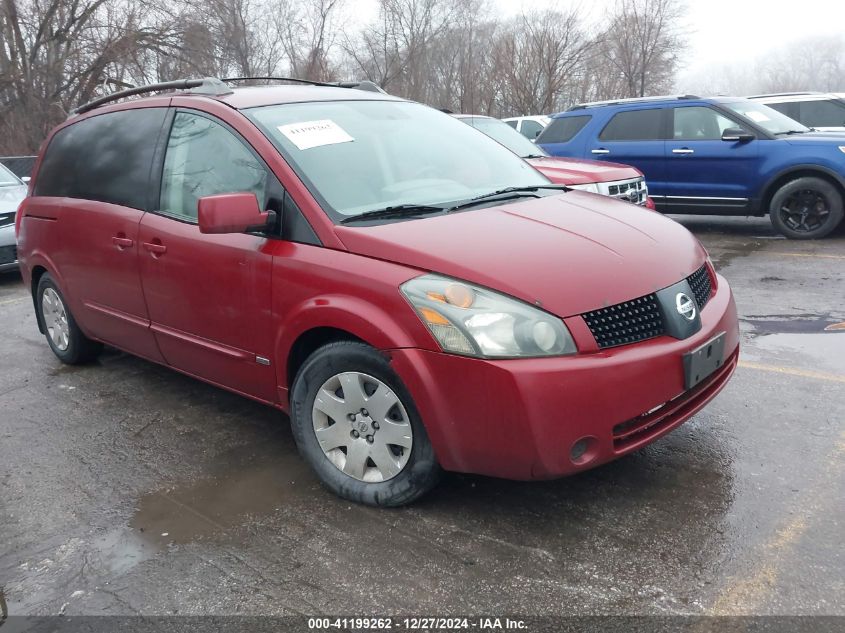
790	109
634	125
564	129
821	113
203	159
106	158
531	129
512	123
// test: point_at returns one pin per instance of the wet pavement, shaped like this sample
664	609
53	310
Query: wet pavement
128	488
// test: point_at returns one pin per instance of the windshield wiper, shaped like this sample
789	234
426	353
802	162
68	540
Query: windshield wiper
397	211
507	193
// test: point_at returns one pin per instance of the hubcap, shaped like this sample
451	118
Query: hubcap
805	210
362	427
55	319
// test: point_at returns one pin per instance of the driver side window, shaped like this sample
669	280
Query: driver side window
204	158
697	123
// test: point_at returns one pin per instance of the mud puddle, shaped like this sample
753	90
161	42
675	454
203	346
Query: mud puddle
249	482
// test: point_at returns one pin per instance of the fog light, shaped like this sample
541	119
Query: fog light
583	451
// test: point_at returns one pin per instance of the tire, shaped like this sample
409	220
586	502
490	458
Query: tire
806	208
63	335
355	459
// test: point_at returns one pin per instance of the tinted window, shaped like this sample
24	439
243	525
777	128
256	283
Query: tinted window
634	125
821	114
105	158
700	124
512	123
563	130
789	109
531	129
204	158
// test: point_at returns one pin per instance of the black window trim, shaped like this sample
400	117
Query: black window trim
665	123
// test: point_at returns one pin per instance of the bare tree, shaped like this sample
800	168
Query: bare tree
643	43
538	56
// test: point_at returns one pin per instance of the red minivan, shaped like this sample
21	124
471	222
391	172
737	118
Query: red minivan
413	294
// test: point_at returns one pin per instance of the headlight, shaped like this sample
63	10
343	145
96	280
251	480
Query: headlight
474	321
591	187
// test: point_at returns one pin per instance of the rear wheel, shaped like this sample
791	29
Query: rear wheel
355	423
806	208
65	338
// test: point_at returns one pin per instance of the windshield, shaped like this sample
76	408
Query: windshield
767	118
8	179
503	133
359	156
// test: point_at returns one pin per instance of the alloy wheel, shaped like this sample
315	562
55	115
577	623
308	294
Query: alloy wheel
805	210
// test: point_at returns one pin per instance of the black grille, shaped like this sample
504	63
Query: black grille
8	254
699	281
623	323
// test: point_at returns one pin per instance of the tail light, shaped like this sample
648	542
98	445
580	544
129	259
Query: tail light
18	218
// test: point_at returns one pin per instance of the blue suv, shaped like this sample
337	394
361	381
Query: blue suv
719	156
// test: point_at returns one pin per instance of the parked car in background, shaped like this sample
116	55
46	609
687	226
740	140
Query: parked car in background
529	126
20	166
723	156
609	179
415	295
824	112
12	192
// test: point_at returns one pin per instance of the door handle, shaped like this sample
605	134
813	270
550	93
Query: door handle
155	248
683	150
122	242
600	150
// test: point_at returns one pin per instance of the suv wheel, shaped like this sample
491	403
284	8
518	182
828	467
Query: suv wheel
65	338
355	423
806	208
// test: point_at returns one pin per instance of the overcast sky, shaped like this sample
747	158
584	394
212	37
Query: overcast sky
720	31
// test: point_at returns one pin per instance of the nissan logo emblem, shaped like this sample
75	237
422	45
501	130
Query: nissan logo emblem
685	306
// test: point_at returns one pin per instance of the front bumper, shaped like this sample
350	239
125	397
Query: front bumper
519	419
8	250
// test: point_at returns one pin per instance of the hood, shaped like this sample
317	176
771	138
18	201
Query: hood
575	171
11	197
817	138
570	253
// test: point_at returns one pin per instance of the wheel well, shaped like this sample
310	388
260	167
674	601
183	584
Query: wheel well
801	173
308	342
37	273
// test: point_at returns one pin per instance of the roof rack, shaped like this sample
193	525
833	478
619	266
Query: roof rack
359	85
212	86
207	85
786	94
594	104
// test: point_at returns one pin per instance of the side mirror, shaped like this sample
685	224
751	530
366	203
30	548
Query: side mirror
232	213
737	135
25	180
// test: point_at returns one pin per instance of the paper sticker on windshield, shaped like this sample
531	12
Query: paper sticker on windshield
759	117
310	134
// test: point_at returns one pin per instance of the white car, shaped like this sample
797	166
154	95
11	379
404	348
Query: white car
12	191
529	126
821	111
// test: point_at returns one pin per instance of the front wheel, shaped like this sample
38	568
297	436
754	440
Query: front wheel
806	208
356	424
